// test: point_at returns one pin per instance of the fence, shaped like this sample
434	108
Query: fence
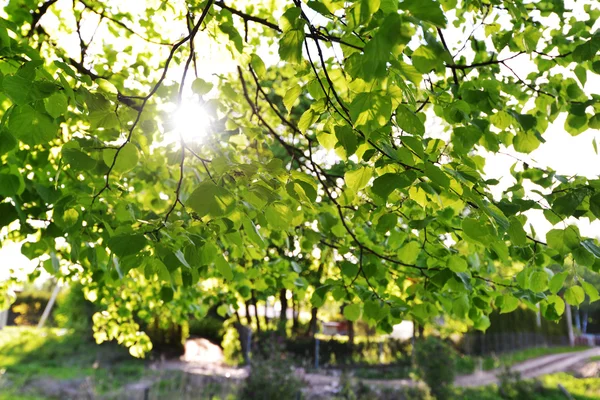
480	344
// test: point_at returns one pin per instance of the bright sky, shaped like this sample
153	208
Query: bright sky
566	154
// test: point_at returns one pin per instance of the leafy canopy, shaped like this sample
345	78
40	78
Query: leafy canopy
342	161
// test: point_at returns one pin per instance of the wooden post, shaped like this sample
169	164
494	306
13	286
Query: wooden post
569	324
49	306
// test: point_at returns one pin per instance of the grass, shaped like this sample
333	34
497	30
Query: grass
28	353
467	364
545	389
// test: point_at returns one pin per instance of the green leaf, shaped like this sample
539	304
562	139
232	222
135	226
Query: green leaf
384	185
594	122
166	294
258	65
478	231
361	12
290	46
564	241
279	216
426	59
425	10
252	232
482	323
370	109
201	87
595	205
18	89
78	159
210	199
461	306
509	304
457	264
319	296
223	267
557	281
538	281
358	179
8	213
347	139
590	246
526	142
291	96
30	126
587	51
307	119
591	291
574	295
70	217
409	252
375	310
126	159
125	245
56	105
352	312
516	232
436	175
408	121
7	142
9	184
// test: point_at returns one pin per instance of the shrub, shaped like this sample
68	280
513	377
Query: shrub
512	387
74	312
271	378
361	391
435	365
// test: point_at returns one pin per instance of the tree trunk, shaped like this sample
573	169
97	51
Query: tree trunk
244	333
351	333
248	316
295	315
267	320
255	302
283	313
312	325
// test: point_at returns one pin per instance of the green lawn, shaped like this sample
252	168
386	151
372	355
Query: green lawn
546	388
28	353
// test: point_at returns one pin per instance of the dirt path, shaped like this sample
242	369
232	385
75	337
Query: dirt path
531	368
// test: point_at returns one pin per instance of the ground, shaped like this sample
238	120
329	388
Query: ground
60	365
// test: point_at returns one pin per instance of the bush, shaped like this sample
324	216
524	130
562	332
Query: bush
512	387
360	391
74	312
271	378
435	365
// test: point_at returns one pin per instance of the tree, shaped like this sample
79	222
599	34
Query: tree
347	166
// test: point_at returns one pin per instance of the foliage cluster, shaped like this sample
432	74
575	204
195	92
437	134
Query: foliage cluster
346	169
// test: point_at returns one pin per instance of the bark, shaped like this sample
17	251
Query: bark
295	315
283	314
243	333
248	316
312	325
255	302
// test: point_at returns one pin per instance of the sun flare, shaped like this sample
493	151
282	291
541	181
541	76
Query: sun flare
191	122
